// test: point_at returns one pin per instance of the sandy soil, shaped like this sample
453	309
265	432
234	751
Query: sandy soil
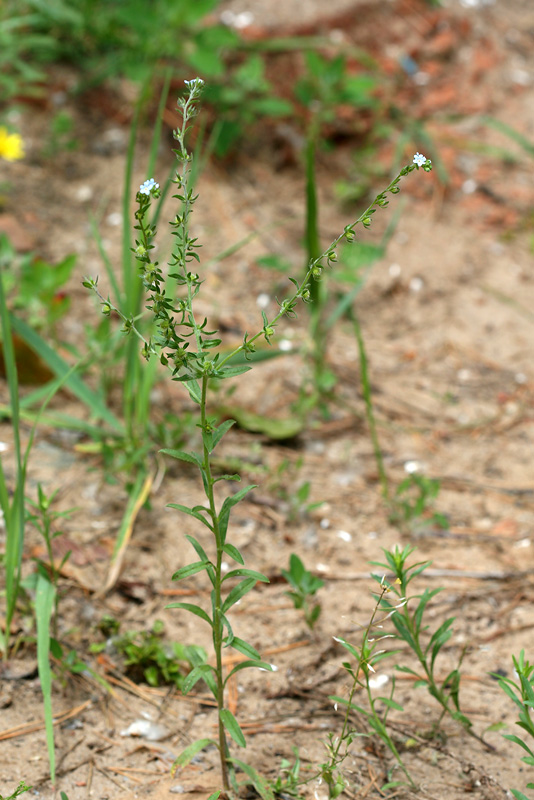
447	320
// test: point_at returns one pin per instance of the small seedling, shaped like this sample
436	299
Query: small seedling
366	658
413	498
522	694
21	788
305	587
148	657
412	630
43	520
287	781
293	493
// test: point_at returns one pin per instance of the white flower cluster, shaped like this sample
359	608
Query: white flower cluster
147	186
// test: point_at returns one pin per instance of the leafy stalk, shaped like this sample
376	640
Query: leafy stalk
192	353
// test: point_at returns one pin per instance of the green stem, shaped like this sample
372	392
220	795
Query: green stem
218	627
313	251
369	410
365	218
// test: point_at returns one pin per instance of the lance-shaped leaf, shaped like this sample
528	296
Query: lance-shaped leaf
229	502
439	638
390	703
194	391
193	609
261	784
190	752
238	592
234	477
219	432
192	513
233	552
250	664
201	553
232	726
248	573
202	671
190	569
191	458
226	623
243	647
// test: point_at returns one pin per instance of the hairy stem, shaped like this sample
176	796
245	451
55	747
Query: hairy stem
218	628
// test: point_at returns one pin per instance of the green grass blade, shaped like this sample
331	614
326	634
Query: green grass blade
60	368
512	134
14	510
44	603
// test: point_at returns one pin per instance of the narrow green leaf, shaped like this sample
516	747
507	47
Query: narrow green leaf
191	458
519	795
250	664
190	569
225	622
234	477
249	573
44	603
199	612
60	367
232	372
245	648
352	650
390	703
261	784
406	669
196	674
233	552
201	553
238	592
513	738
228	504
194	391
191	513
220	431
232	726
190	752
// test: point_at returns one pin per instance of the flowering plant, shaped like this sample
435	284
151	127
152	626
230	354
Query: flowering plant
192	353
11	145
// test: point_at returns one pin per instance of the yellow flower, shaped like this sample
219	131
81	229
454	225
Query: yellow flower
11	146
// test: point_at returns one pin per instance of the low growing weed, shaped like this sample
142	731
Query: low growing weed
21	788
43	519
414	498
366	658
304	587
185	343
521	691
147	656
411	628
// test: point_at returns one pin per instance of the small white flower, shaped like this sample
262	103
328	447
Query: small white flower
419	159
147	186
195	83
